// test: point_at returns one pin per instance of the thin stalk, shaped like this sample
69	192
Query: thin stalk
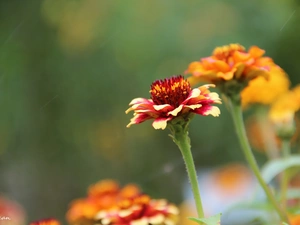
183	142
237	116
286	150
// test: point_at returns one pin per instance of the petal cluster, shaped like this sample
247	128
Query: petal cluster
173	97
109	204
230	62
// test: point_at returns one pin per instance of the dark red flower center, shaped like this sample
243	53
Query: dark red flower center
172	91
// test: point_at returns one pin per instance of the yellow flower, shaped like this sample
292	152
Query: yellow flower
282	111
171	98
46	222
265	91
231	62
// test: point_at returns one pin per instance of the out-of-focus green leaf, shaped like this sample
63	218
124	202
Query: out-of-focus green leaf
276	166
213	220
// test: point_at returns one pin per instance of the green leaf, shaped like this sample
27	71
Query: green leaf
276	166
283	223
213	220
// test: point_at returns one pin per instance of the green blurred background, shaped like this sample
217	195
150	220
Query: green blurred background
69	68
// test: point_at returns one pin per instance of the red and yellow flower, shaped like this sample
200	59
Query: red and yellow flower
107	203
173	97
231	62
46	222
141	210
102	195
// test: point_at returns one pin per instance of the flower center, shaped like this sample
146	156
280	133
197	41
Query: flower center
172	91
226	51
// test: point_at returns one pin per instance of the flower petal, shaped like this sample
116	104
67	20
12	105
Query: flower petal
139	118
175	111
208	110
160	123
164	107
196	106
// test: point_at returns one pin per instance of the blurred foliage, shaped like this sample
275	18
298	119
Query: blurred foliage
68	69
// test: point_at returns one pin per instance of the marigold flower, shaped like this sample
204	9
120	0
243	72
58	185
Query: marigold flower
173	97
102	195
265	91
231	62
46	222
140	211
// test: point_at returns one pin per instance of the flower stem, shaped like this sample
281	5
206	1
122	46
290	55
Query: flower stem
285	145
237	116
182	140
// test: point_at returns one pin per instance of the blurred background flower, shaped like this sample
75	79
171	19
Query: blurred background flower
68	69
11	212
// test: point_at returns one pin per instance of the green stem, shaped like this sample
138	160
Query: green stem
182	140
237	116
285	175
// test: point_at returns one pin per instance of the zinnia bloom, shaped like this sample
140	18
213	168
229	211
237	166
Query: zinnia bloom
231	62
46	222
102	195
266	91
283	110
173	97
140	211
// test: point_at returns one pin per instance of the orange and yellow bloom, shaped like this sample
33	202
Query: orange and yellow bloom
46	222
102	195
140	211
173	97
231	62
108	203
294	219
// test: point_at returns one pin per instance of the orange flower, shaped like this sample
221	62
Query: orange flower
46	222
294	219
102	195
170	98
140	211
231	62
265	91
